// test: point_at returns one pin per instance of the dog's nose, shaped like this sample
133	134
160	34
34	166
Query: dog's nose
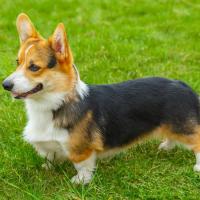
7	85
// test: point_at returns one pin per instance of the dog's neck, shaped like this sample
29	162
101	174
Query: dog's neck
46	103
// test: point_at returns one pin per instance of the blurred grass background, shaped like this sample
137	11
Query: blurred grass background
112	41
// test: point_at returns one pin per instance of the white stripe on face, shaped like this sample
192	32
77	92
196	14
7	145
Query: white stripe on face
26	51
25	54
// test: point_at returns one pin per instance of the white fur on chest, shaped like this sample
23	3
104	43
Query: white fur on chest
49	141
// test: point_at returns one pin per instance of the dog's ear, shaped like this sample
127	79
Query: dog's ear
60	44
25	28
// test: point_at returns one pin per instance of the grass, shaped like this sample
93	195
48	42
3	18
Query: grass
112	41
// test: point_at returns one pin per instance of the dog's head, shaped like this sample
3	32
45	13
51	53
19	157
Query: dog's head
44	66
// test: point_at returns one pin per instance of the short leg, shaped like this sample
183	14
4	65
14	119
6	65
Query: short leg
49	156
167	145
197	165
85	170
47	165
49	160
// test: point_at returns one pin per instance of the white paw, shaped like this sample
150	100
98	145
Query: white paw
166	145
197	168
47	166
82	178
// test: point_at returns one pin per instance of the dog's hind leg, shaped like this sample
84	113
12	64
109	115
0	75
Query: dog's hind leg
196	150
167	144
191	141
195	146
197	165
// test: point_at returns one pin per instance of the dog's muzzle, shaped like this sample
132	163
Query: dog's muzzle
7	85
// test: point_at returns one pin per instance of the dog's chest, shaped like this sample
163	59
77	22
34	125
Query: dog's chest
49	141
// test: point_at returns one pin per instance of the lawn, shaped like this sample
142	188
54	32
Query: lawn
112	41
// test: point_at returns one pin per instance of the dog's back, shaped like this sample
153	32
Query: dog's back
127	110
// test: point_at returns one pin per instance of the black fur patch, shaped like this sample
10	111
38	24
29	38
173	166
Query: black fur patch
69	114
127	110
52	61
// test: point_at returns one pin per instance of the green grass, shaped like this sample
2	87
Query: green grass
112	41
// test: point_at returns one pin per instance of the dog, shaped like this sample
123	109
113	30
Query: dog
68	119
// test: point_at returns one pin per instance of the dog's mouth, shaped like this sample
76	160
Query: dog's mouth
36	89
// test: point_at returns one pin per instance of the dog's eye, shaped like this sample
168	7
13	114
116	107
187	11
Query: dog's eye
17	61
34	68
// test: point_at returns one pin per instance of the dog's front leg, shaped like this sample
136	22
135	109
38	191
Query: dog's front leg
50	157
85	169
49	160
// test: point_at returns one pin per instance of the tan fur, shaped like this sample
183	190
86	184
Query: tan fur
81	142
192	140
161	132
61	78
31	31
112	151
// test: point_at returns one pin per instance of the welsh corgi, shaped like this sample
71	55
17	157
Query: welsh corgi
68	119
